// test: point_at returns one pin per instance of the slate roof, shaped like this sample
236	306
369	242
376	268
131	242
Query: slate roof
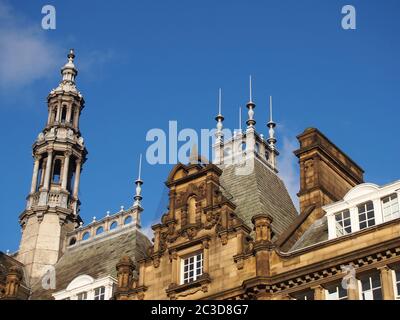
316	233
97	258
262	191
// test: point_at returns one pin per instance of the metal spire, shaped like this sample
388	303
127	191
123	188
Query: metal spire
138	196
250	105
271	125
219	118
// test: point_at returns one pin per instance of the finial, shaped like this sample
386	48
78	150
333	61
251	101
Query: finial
140	166
270	108
122	208
107	213
251	90
240	119
138	195
219	118
80	224
94	219
71	55
271	125
68	71
250	105
219	101
8	252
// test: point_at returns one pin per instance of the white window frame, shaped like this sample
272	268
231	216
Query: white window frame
371	290
367	220
86	283
328	296
339	224
197	257
393	214
396	281
84	295
101	294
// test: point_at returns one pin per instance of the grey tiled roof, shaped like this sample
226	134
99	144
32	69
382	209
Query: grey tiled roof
97	258
316	233
262	191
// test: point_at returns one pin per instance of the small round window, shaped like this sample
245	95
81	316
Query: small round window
99	230
128	220
86	236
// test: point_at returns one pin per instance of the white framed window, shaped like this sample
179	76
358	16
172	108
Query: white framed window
343	223
304	295
396	280
390	207
336	292
99	293
82	296
366	215
370	287
191	268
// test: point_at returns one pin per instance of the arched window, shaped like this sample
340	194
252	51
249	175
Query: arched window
267	155
128	220
86	236
39	176
243	146
57	171
63	114
257	148
99	230
72	241
114	225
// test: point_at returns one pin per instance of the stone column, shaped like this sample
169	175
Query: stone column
65	170
175	268
69	114
57	119
77	177
206	256
319	292
49	164
352	291
387	283
35	174
76	118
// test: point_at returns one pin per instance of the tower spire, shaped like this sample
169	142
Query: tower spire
219	118
250	105
59	152
139	182
271	125
240	120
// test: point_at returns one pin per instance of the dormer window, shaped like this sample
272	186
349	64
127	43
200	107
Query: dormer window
390	207
191	268
99	293
343	223
366	215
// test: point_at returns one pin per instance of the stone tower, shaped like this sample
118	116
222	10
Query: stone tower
59	152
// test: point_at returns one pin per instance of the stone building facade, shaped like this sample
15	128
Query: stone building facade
230	230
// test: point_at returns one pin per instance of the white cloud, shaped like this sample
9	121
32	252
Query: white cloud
26	54
147	231
288	168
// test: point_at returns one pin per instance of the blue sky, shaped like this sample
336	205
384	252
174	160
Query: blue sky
143	63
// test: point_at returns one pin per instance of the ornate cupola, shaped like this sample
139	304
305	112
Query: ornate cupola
59	152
